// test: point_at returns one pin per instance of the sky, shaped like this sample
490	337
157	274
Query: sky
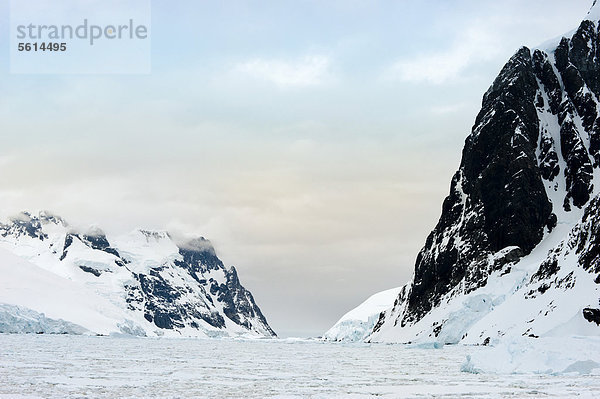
312	142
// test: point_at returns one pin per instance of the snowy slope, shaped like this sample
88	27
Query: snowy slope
145	283
516	250
523	299
32	287
358	323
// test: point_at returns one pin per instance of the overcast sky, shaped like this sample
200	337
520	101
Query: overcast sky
311	141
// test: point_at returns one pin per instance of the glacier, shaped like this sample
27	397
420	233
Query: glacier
19	320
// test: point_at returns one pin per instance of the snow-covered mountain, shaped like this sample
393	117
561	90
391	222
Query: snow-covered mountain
516	251
55	279
358	323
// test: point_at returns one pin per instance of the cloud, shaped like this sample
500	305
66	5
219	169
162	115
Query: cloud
199	244
280	212
474	45
313	70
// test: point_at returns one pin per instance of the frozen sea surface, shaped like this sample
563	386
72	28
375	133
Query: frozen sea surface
45	366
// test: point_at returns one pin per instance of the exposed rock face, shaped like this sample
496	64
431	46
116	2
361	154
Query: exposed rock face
531	162
162	283
497	198
592	315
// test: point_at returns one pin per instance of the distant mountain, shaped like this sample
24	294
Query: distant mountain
358	323
145	283
516	251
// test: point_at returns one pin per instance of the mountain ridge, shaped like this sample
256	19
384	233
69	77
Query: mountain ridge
158	283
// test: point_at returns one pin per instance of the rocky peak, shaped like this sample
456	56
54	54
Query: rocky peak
594	13
154	234
24	224
199	254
